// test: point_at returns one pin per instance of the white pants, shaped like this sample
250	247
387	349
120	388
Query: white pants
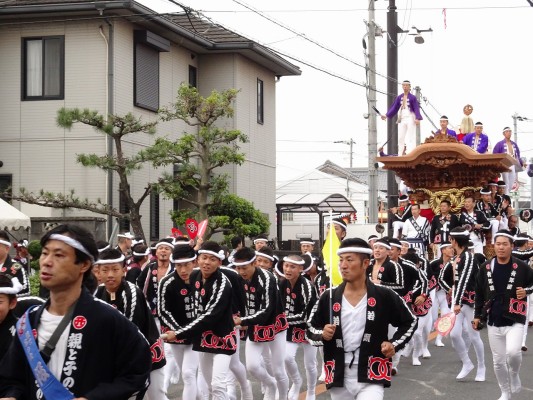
310	362
509	178
420	337
238	373
272	355
505	343
528	318
215	367
187	361
463	323
406	132
353	389
171	369
157	389
494	227
397	226
478	244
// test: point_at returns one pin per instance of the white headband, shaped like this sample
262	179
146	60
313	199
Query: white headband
363	250
339	223
147	252
220	255
126	235
444	245
382	244
259	254
242	264
159	244
181	243
506	235
463	233
306	242
182	260
72	243
289	260
260	240
396	245
111	261
17	287
104	248
5	242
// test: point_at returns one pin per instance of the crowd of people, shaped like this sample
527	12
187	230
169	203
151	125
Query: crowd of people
125	322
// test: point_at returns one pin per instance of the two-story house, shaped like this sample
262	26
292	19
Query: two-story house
118	57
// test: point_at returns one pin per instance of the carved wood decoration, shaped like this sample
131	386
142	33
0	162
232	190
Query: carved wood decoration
441	163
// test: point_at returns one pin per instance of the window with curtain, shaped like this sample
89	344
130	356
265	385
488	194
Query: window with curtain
43	68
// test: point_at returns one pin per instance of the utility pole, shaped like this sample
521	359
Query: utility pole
350	143
417	95
515	131
392	91
372	125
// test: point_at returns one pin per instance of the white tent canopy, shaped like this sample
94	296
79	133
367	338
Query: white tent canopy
11	218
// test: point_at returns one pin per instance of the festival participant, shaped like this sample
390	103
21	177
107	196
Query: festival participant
263	322
441	225
512	224
371	240
127	298
444	128
477	140
420	303
9	287
124	243
260	242
503	283
307	246
299	296
80	364
175	307
23	256
438	293
139	259
340	228
416	230
487	208
400	214
382	270
211	331
351	322
465	268
237	243
265	259
11	267
407	107
507	146
475	222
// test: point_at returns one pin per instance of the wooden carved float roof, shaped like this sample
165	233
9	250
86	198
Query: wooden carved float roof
442	163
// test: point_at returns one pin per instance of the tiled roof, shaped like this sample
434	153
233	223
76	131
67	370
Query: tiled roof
213	32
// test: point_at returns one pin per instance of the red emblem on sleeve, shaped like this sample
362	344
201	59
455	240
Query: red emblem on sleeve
515	266
381	269
154	272
79	322
202	292
183	292
336	307
252	289
293	295
371	301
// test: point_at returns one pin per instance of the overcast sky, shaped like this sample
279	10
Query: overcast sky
478	53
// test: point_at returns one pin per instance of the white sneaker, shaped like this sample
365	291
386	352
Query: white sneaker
416	362
480	374
438	342
426	354
467	368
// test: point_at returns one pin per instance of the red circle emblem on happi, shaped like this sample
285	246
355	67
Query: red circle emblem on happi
183	292
197	284
154	272
371	301
488	267
293	295
202	292
288	290
3	269
515	266
79	322
245	287
381	269
252	289
336	307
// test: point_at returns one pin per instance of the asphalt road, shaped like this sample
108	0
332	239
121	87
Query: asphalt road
435	379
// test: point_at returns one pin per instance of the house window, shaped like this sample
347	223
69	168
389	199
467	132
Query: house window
147	47
43	68
6	181
193	76
287	217
260	102
154	216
